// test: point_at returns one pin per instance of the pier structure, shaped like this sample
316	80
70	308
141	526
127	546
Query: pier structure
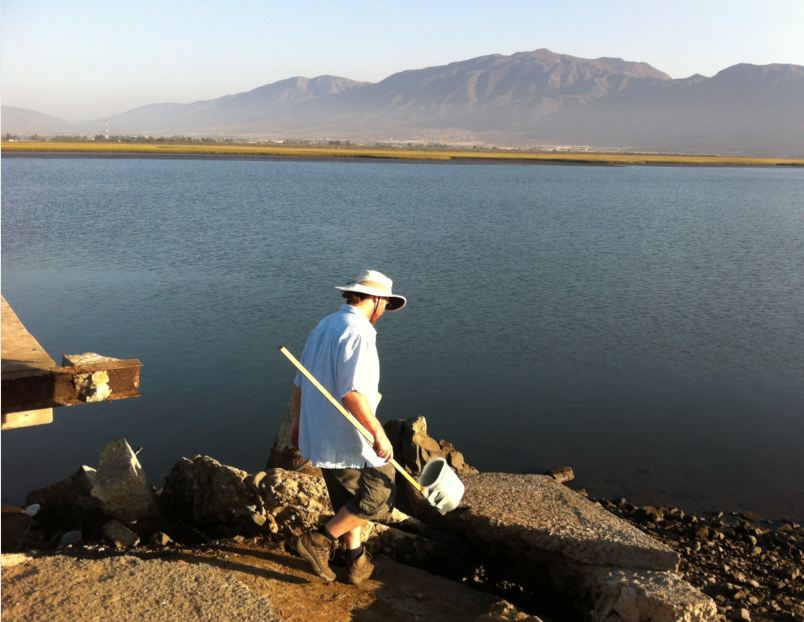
33	384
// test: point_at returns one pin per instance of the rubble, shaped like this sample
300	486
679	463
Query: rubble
527	538
210	497
71	538
121	486
562	474
66	505
748	565
15	525
283	455
119	536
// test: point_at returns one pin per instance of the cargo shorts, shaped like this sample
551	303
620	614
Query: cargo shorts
368	493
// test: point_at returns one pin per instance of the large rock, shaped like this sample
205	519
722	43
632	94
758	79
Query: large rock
414	447
637	595
68	505
121	485
223	501
15	525
211	496
533	517
296	501
283	454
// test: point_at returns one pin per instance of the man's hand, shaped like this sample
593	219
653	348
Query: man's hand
357	404
382	446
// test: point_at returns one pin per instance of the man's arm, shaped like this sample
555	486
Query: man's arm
357	404
295	409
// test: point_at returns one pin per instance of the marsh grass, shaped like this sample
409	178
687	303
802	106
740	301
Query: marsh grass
479	155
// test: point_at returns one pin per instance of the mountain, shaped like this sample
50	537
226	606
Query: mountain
745	109
24	121
527	99
241	113
489	93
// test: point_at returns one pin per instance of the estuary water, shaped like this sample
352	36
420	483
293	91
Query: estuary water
644	325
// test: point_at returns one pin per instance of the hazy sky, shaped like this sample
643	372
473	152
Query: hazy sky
81	59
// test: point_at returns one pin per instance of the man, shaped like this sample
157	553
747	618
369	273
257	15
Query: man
341	354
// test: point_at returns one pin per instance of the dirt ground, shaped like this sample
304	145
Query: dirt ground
232	581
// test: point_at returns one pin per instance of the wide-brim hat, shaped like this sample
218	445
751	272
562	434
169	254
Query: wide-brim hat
375	283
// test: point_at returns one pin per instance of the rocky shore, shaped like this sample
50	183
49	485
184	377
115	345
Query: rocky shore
750	566
528	546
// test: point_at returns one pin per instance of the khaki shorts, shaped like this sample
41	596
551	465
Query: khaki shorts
367	493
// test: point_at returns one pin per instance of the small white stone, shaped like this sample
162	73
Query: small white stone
33	509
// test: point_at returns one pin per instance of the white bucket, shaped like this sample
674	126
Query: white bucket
442	488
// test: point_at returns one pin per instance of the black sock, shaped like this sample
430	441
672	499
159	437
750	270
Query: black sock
325	532
355	553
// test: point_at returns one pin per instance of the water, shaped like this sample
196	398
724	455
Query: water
644	325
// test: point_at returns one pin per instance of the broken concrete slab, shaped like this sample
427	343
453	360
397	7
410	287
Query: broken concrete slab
636	595
435	552
121	485
536	518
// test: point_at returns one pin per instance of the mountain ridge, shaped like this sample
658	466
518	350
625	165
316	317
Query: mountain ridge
527	98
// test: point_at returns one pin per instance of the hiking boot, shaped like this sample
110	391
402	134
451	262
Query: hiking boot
316	549
360	569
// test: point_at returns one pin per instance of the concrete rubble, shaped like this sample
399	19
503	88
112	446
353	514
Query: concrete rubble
15	526
528	532
532	530
535	517
209	496
121	486
504	611
645	595
119	536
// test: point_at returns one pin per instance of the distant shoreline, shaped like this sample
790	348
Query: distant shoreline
370	154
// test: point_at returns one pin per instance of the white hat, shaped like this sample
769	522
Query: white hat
375	283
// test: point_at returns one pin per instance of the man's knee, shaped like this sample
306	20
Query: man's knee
376	493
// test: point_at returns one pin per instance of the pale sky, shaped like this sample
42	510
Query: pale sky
82	59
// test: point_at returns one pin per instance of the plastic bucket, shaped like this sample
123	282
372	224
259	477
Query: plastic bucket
442	488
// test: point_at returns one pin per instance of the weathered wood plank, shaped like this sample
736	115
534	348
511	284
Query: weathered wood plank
27	418
21	351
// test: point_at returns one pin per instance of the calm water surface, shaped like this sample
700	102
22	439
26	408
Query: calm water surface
644	325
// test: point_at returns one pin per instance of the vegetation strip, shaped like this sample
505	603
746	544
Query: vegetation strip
477	155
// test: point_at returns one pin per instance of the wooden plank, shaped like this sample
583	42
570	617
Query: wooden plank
27	418
21	351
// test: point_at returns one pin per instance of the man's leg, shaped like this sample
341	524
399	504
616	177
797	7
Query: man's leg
373	498
358	495
346	524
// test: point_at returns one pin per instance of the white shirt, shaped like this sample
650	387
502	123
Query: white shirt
341	353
